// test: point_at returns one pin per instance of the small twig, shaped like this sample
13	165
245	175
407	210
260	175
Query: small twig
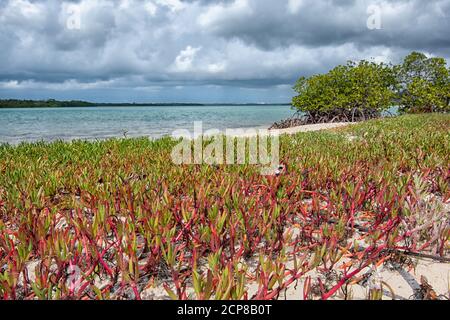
424	255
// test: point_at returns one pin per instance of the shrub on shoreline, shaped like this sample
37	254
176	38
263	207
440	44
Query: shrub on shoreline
424	84
356	91
364	90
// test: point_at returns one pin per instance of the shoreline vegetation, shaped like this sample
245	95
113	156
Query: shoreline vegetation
364	90
357	212
51	103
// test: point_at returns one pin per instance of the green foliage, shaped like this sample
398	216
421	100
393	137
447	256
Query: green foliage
129	218
357	91
51	103
424	83
361	89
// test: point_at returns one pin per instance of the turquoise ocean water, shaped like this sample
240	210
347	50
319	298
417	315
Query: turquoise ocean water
49	124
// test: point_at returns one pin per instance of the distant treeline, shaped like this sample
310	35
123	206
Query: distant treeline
14	103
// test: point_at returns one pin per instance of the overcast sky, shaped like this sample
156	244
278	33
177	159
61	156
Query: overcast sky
201	51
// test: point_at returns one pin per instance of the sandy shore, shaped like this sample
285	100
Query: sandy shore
312	127
252	132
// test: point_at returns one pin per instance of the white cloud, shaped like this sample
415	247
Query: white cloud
13	84
222	12
151	7
174	5
71	84
183	62
217	67
26	8
294	6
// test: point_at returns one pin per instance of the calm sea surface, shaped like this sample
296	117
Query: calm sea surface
17	125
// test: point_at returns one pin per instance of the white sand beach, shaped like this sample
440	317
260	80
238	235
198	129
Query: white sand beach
252	132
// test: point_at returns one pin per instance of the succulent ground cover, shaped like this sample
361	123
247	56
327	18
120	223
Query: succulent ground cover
117	219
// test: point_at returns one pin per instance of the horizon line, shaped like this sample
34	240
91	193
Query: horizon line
113	103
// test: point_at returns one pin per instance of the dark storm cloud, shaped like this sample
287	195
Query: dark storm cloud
405	24
153	44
